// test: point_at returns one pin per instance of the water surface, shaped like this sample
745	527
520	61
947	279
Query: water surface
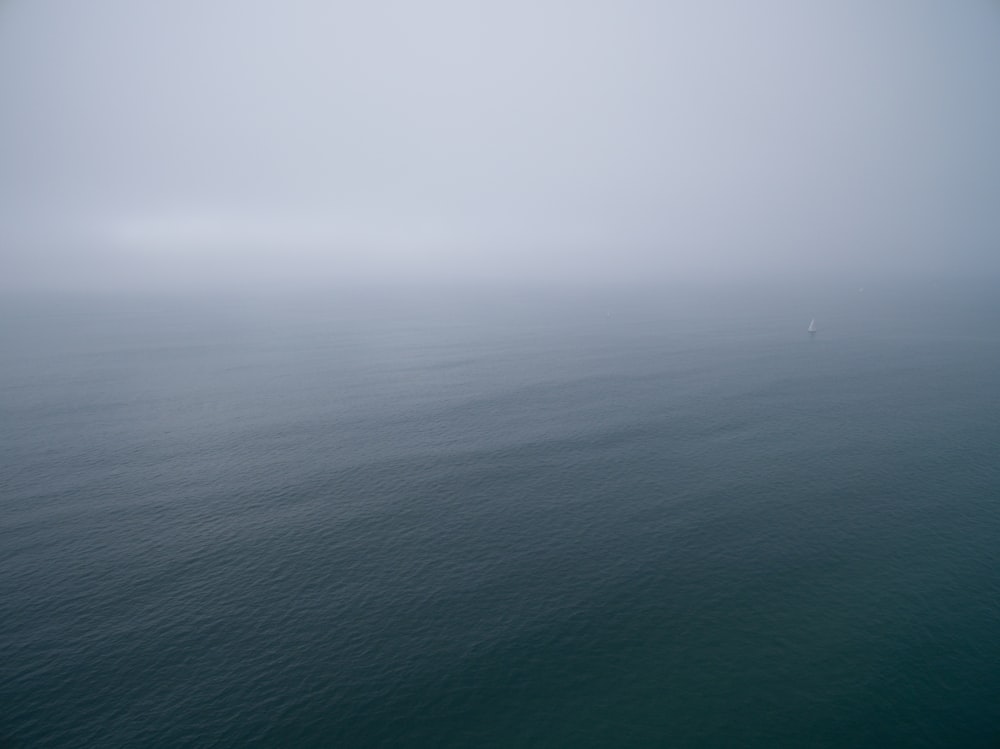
501	517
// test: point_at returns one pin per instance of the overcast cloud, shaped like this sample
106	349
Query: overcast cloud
226	139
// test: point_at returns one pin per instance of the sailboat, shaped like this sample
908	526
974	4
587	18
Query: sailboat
812	327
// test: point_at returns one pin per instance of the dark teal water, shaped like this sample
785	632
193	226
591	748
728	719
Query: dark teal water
502	518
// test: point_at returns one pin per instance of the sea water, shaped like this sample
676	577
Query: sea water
501	517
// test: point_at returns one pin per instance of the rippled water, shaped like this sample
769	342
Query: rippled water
507	518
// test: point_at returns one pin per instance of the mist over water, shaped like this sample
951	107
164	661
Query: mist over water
232	143
438	374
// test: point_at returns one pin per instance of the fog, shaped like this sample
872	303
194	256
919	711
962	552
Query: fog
224	141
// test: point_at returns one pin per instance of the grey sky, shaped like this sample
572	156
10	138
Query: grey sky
291	140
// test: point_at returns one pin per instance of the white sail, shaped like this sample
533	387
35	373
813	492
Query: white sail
812	326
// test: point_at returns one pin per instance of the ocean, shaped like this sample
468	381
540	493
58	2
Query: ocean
502	517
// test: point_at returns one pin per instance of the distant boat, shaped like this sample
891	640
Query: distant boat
812	326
